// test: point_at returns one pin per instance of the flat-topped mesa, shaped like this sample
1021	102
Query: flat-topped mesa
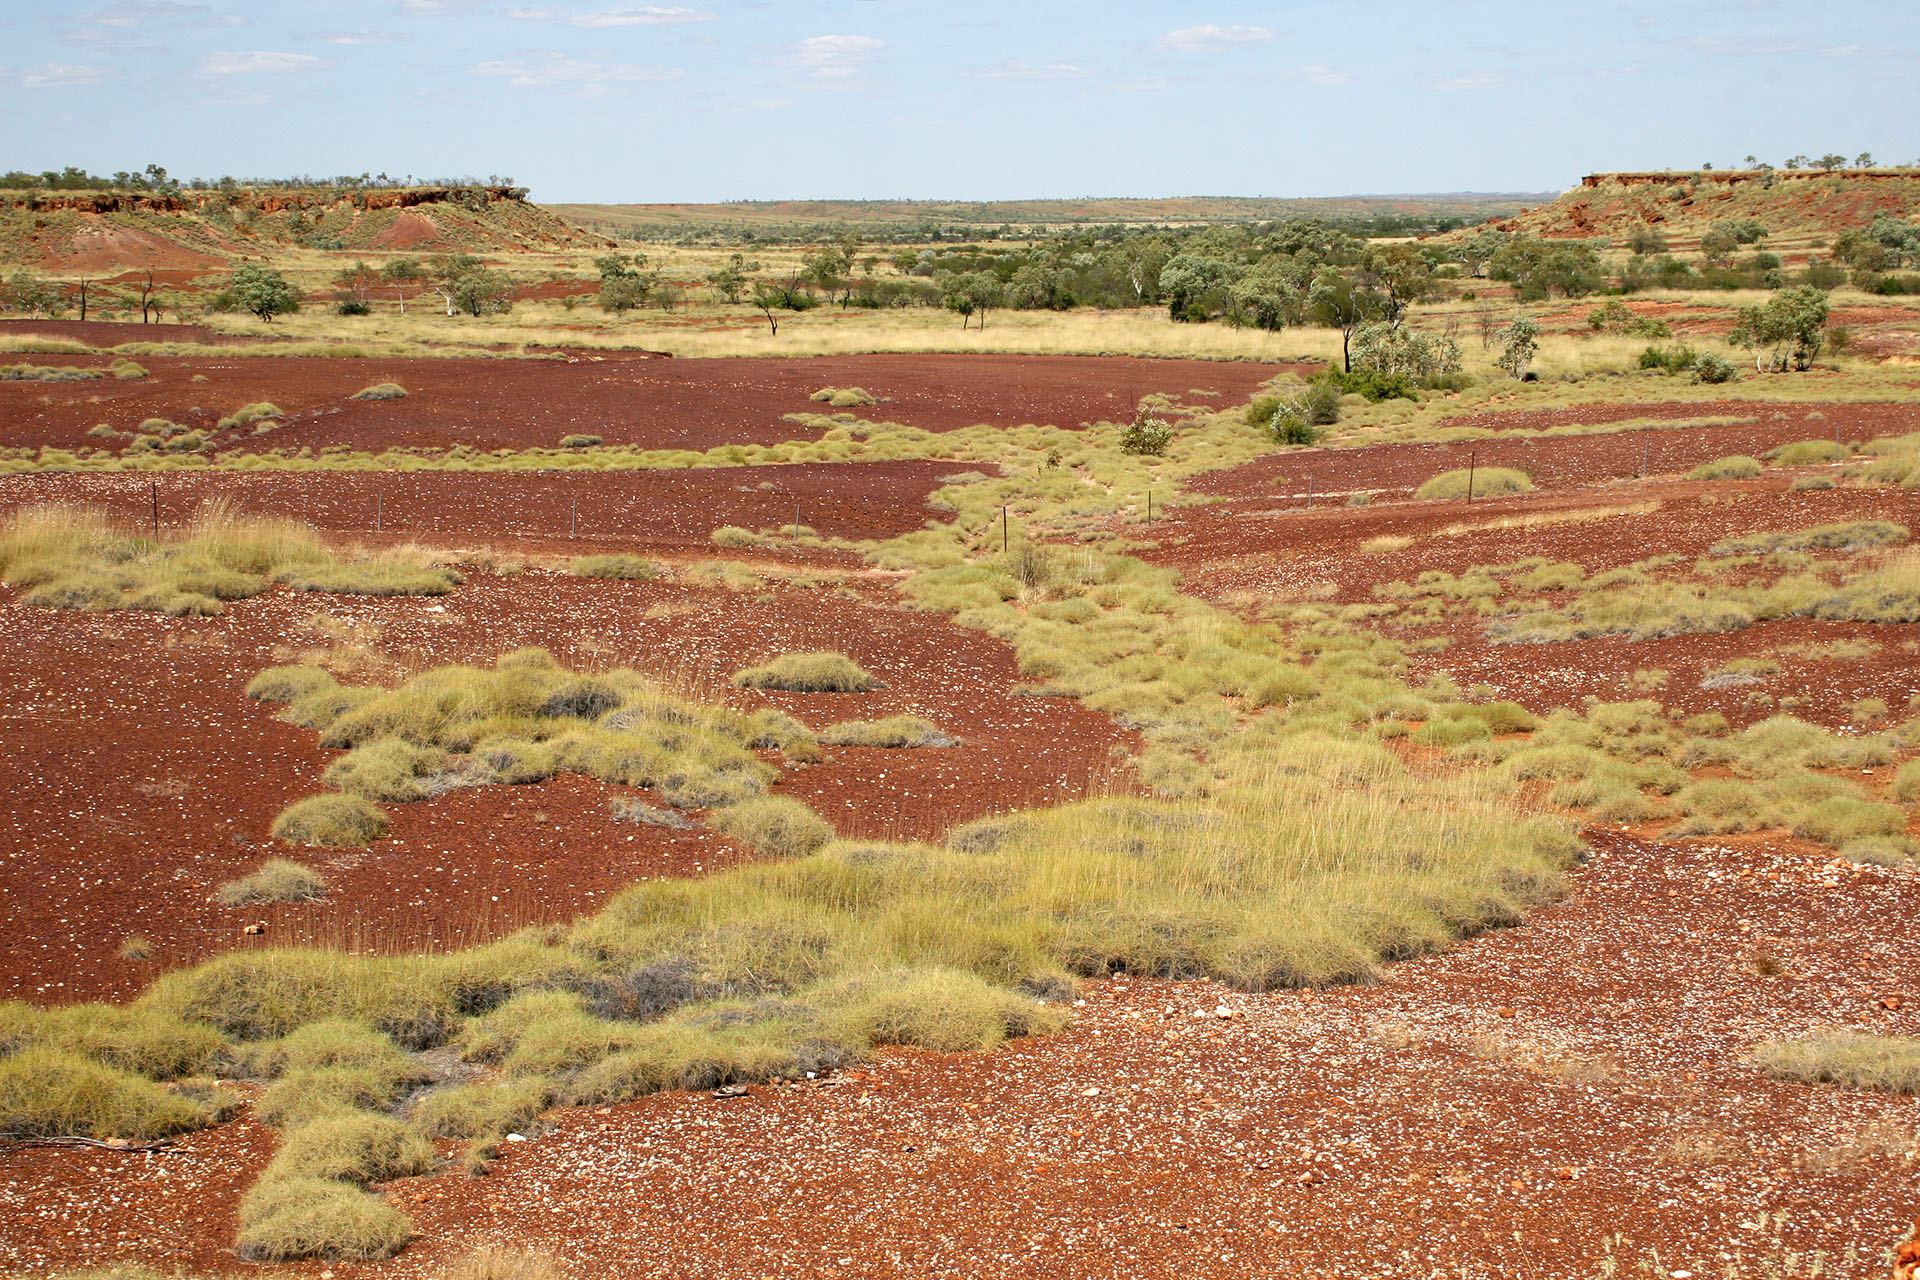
262	199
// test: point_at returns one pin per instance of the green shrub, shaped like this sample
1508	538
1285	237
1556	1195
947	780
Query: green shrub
581	440
629	568
277	880
816	672
1488	482
1148	435
289	684
1837	821
774	826
1736	467
391	771
844	397
1712	368
1805	452
290	1219
381	391
247	415
940	1009
127	370
731	535
352	1147
894	731
1848	1058
333	821
47	1092
132	1039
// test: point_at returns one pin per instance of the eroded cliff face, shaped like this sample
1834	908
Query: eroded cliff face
260	200
1795	205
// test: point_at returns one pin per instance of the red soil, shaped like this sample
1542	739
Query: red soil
693	404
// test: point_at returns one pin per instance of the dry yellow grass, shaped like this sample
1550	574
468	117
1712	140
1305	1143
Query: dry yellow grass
1544	519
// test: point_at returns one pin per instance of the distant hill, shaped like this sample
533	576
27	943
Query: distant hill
801	217
1795	205
67	232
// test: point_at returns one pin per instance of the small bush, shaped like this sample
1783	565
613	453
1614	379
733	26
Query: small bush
945	1010
844	397
1488	482
247	415
1906	782
381	391
277	880
1148	435
1803	483
1713	369
288	1219
774	826
353	1147
580	441
1736	467
808	673
47	1092
895	731
1848	1058
1840	820
353	307
289	684
1803	453
626	568
333	821
732	535
126	370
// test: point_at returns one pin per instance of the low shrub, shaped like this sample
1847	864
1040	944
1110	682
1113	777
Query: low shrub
1487	482
357	1147
1856	535
844	397
291	1219
332	821
732	535
1712	368
381	391
247	415
818	672
47	1092
277	880
581	441
1736	467
774	826
127	370
47	373
289	684
944	1010
1852	1059
894	731
628	568
1806	452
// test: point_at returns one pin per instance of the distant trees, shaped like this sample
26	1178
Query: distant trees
624	281
466	284
400	273
260	290
1540	269
24	291
730	281
971	293
1791	327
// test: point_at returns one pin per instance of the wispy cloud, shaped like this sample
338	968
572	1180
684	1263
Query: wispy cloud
645	16
834	61
134	24
563	71
1470	82
1314	73
1748	47
249	62
438	8
364	37
60	75
1018	70
1208	38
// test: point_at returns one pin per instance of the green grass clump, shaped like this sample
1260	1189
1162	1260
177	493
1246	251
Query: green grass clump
72	558
1805	452
1840	820
353	1147
1890	593
393	771
774	826
277	880
808	673
1906	782
247	415
289	684
127	370
1857	535
47	373
132	1039
732	535
1488	482
946	1010
581	440
844	397
47	1092
1735	467
628	568
1851	1059
291	1219
380	391
331	821
894	731
1802	484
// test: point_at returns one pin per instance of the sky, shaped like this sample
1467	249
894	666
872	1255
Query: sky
603	101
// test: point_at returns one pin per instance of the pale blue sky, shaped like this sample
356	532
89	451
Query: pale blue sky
712	100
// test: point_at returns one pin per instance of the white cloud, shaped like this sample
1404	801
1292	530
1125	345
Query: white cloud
836	60
437	8
363	37
1018	70
1208	38
248	62
1314	73
1471	82
645	16
60	75
126	26
560	71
